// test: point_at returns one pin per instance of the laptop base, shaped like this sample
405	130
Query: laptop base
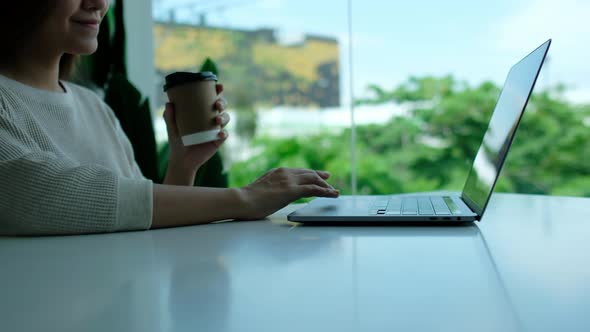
358	211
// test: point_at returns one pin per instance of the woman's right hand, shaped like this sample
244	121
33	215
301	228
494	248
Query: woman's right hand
281	186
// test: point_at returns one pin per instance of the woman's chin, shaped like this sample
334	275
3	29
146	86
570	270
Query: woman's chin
84	48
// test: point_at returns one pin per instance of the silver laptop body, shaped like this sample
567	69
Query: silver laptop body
465	207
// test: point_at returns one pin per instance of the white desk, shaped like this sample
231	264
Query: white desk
534	274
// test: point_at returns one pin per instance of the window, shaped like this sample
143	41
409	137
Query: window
425	78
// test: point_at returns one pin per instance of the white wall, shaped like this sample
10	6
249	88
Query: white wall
140	46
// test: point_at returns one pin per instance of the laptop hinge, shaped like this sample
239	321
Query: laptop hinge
470	205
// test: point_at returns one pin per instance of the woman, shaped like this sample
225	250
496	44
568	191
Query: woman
67	167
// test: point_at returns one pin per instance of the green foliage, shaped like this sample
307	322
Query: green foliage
433	148
133	112
416	89
209	65
551	149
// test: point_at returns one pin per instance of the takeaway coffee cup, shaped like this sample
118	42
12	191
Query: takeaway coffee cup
194	96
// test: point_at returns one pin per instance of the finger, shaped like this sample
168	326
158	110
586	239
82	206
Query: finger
222	119
223	135
323	174
170	119
297	171
219	88
293	171
222	101
312	178
218	106
311	190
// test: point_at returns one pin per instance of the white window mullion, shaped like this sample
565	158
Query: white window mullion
140	48
353	159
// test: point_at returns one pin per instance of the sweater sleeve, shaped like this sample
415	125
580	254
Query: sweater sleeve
43	194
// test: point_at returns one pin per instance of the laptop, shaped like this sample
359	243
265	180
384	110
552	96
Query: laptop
438	209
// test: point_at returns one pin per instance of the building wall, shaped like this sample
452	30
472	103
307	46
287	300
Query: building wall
255	69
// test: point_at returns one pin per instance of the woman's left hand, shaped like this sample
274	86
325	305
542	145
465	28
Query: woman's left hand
185	160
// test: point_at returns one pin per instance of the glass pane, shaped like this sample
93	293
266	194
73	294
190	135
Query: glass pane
426	78
282	64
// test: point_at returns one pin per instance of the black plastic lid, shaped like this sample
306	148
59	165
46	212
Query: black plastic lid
183	77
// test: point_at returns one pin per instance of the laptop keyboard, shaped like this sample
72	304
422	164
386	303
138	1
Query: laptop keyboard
408	206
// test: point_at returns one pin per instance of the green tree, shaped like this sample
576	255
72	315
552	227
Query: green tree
433	148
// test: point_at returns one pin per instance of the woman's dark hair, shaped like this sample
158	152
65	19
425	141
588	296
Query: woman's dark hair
19	20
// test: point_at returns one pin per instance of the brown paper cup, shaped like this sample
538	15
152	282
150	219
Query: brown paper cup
194	96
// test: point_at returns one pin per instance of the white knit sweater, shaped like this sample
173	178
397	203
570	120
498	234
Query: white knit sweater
66	166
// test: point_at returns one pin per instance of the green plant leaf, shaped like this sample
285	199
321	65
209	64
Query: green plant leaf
209	65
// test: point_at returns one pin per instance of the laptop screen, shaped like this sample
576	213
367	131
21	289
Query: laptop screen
501	129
